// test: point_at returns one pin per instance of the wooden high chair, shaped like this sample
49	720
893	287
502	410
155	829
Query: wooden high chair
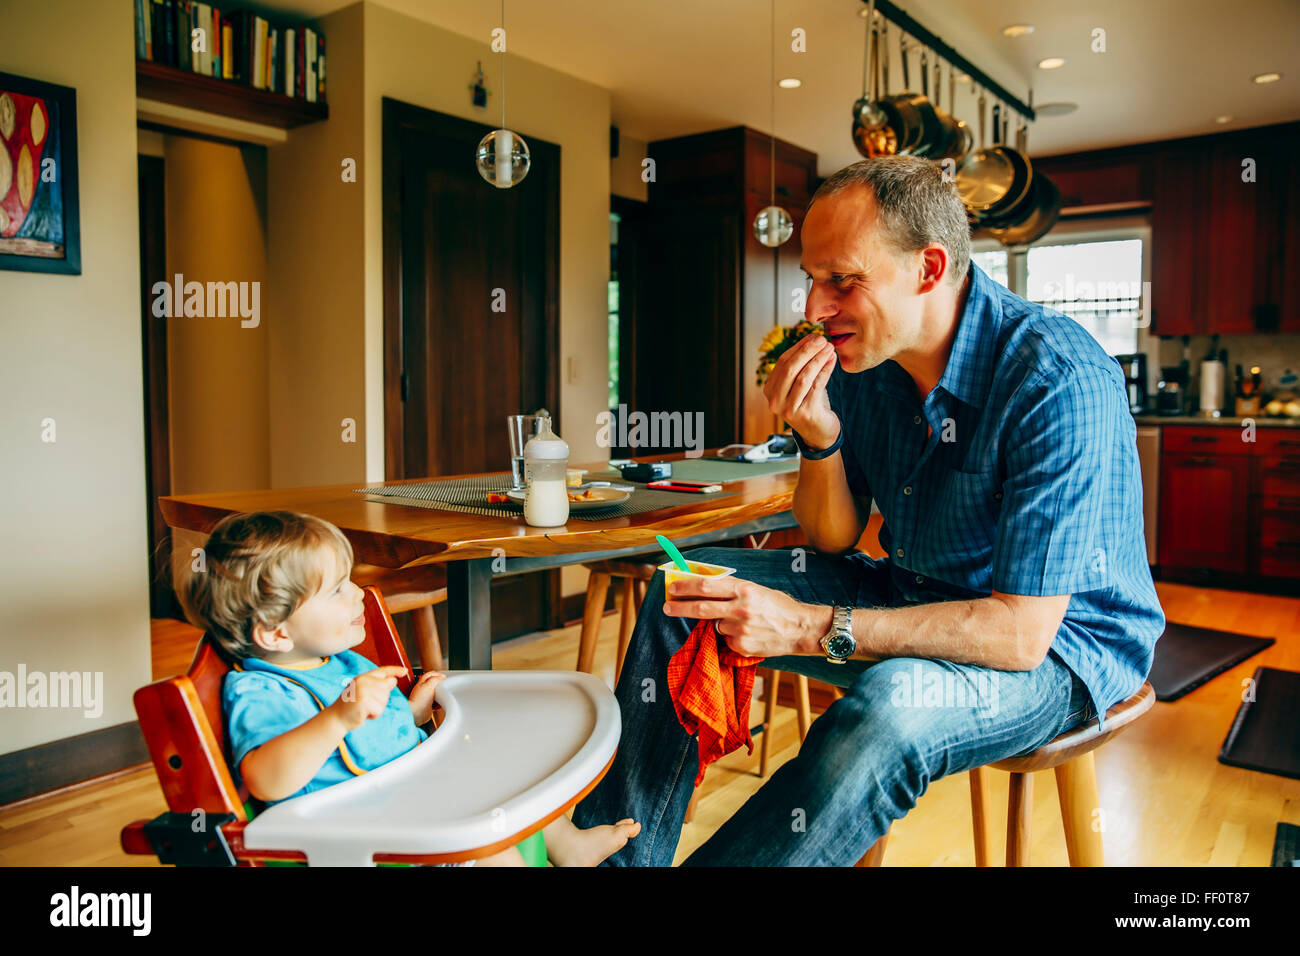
209	815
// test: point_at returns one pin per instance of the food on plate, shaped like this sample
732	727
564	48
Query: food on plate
588	495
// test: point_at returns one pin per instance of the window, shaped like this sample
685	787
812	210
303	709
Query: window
1093	273
994	262
1098	284
612	305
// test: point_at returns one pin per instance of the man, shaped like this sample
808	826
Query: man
1015	601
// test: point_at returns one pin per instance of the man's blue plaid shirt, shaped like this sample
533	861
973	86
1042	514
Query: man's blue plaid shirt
1028	484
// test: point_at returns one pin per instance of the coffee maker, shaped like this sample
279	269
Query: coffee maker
1135	380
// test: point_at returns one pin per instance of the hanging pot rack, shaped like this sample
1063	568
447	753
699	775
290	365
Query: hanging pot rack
893	13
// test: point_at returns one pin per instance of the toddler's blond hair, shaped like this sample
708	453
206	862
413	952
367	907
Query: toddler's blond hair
259	568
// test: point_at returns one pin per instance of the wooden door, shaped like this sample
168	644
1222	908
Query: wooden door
157	445
1203	511
471	315
688	333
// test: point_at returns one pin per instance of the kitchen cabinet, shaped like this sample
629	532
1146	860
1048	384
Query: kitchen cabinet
1203	501
1227	504
711	291
1178	277
1225	252
1243	243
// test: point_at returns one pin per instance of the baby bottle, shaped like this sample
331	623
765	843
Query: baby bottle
546	457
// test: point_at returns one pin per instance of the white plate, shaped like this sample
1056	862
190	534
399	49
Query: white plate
607	498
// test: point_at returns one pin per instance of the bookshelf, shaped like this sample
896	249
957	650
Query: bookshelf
167	84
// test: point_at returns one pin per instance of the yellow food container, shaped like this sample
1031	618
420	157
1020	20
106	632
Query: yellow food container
698	569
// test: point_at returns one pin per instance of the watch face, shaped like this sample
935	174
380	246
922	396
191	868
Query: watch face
840	645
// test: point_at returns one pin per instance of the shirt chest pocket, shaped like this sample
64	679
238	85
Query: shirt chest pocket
970	504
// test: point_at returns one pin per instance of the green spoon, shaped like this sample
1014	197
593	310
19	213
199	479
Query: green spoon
673	553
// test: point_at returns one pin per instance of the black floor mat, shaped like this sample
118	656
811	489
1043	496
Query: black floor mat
1187	657
1286	847
1265	734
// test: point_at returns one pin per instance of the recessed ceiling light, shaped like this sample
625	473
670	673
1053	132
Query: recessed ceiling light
1267	77
1017	30
1055	109
1225	118
1051	63
790	83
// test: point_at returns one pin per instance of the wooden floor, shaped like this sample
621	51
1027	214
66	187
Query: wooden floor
1167	799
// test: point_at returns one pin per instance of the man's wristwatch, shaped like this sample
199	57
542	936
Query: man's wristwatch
839	643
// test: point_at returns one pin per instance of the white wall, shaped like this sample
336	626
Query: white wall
73	569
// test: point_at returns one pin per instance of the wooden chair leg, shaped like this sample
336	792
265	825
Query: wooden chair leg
979	814
426	638
1076	785
1020	812
597	588
626	621
876	855
638	591
771	684
690	807
802	705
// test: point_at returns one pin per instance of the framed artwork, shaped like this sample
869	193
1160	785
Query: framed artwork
40	229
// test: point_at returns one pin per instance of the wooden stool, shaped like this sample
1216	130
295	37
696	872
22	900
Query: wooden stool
415	589
1070	755
635	574
771	685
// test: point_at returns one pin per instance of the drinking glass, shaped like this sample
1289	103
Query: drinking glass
521	428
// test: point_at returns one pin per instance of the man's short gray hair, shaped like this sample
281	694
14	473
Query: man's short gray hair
917	206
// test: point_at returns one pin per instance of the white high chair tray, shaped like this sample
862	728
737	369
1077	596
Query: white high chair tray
513	747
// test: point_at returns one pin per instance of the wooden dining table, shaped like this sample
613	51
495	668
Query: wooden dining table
475	548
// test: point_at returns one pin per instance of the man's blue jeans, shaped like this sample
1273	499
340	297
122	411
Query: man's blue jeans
865	762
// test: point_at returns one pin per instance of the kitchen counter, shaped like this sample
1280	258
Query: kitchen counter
1262	421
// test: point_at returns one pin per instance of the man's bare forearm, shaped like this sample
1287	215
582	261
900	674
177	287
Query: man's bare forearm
824	506
983	632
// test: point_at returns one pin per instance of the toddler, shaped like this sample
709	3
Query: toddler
302	710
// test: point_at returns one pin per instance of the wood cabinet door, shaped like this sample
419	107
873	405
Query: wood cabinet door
1288	255
1203	511
1242	174
1178	224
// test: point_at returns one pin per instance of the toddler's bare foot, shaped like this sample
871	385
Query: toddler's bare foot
590	847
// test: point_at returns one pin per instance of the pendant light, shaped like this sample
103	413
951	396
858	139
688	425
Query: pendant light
773	225
502	155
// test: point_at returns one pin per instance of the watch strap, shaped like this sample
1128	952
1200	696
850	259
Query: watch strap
817	454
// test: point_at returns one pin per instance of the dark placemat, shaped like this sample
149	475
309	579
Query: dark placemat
1286	847
1263	735
1186	657
468	495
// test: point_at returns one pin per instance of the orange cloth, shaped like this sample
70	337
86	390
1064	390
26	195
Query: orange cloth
711	686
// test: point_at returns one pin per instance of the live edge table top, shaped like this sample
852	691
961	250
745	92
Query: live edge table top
393	535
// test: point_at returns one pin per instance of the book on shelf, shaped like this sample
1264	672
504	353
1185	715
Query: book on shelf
238	45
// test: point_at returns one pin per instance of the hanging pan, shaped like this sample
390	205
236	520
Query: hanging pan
992	180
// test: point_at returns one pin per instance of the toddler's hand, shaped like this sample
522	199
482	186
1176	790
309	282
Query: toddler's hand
422	696
366	696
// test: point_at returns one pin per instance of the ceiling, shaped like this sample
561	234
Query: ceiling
684	66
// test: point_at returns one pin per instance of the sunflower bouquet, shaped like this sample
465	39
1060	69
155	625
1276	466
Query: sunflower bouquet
780	340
